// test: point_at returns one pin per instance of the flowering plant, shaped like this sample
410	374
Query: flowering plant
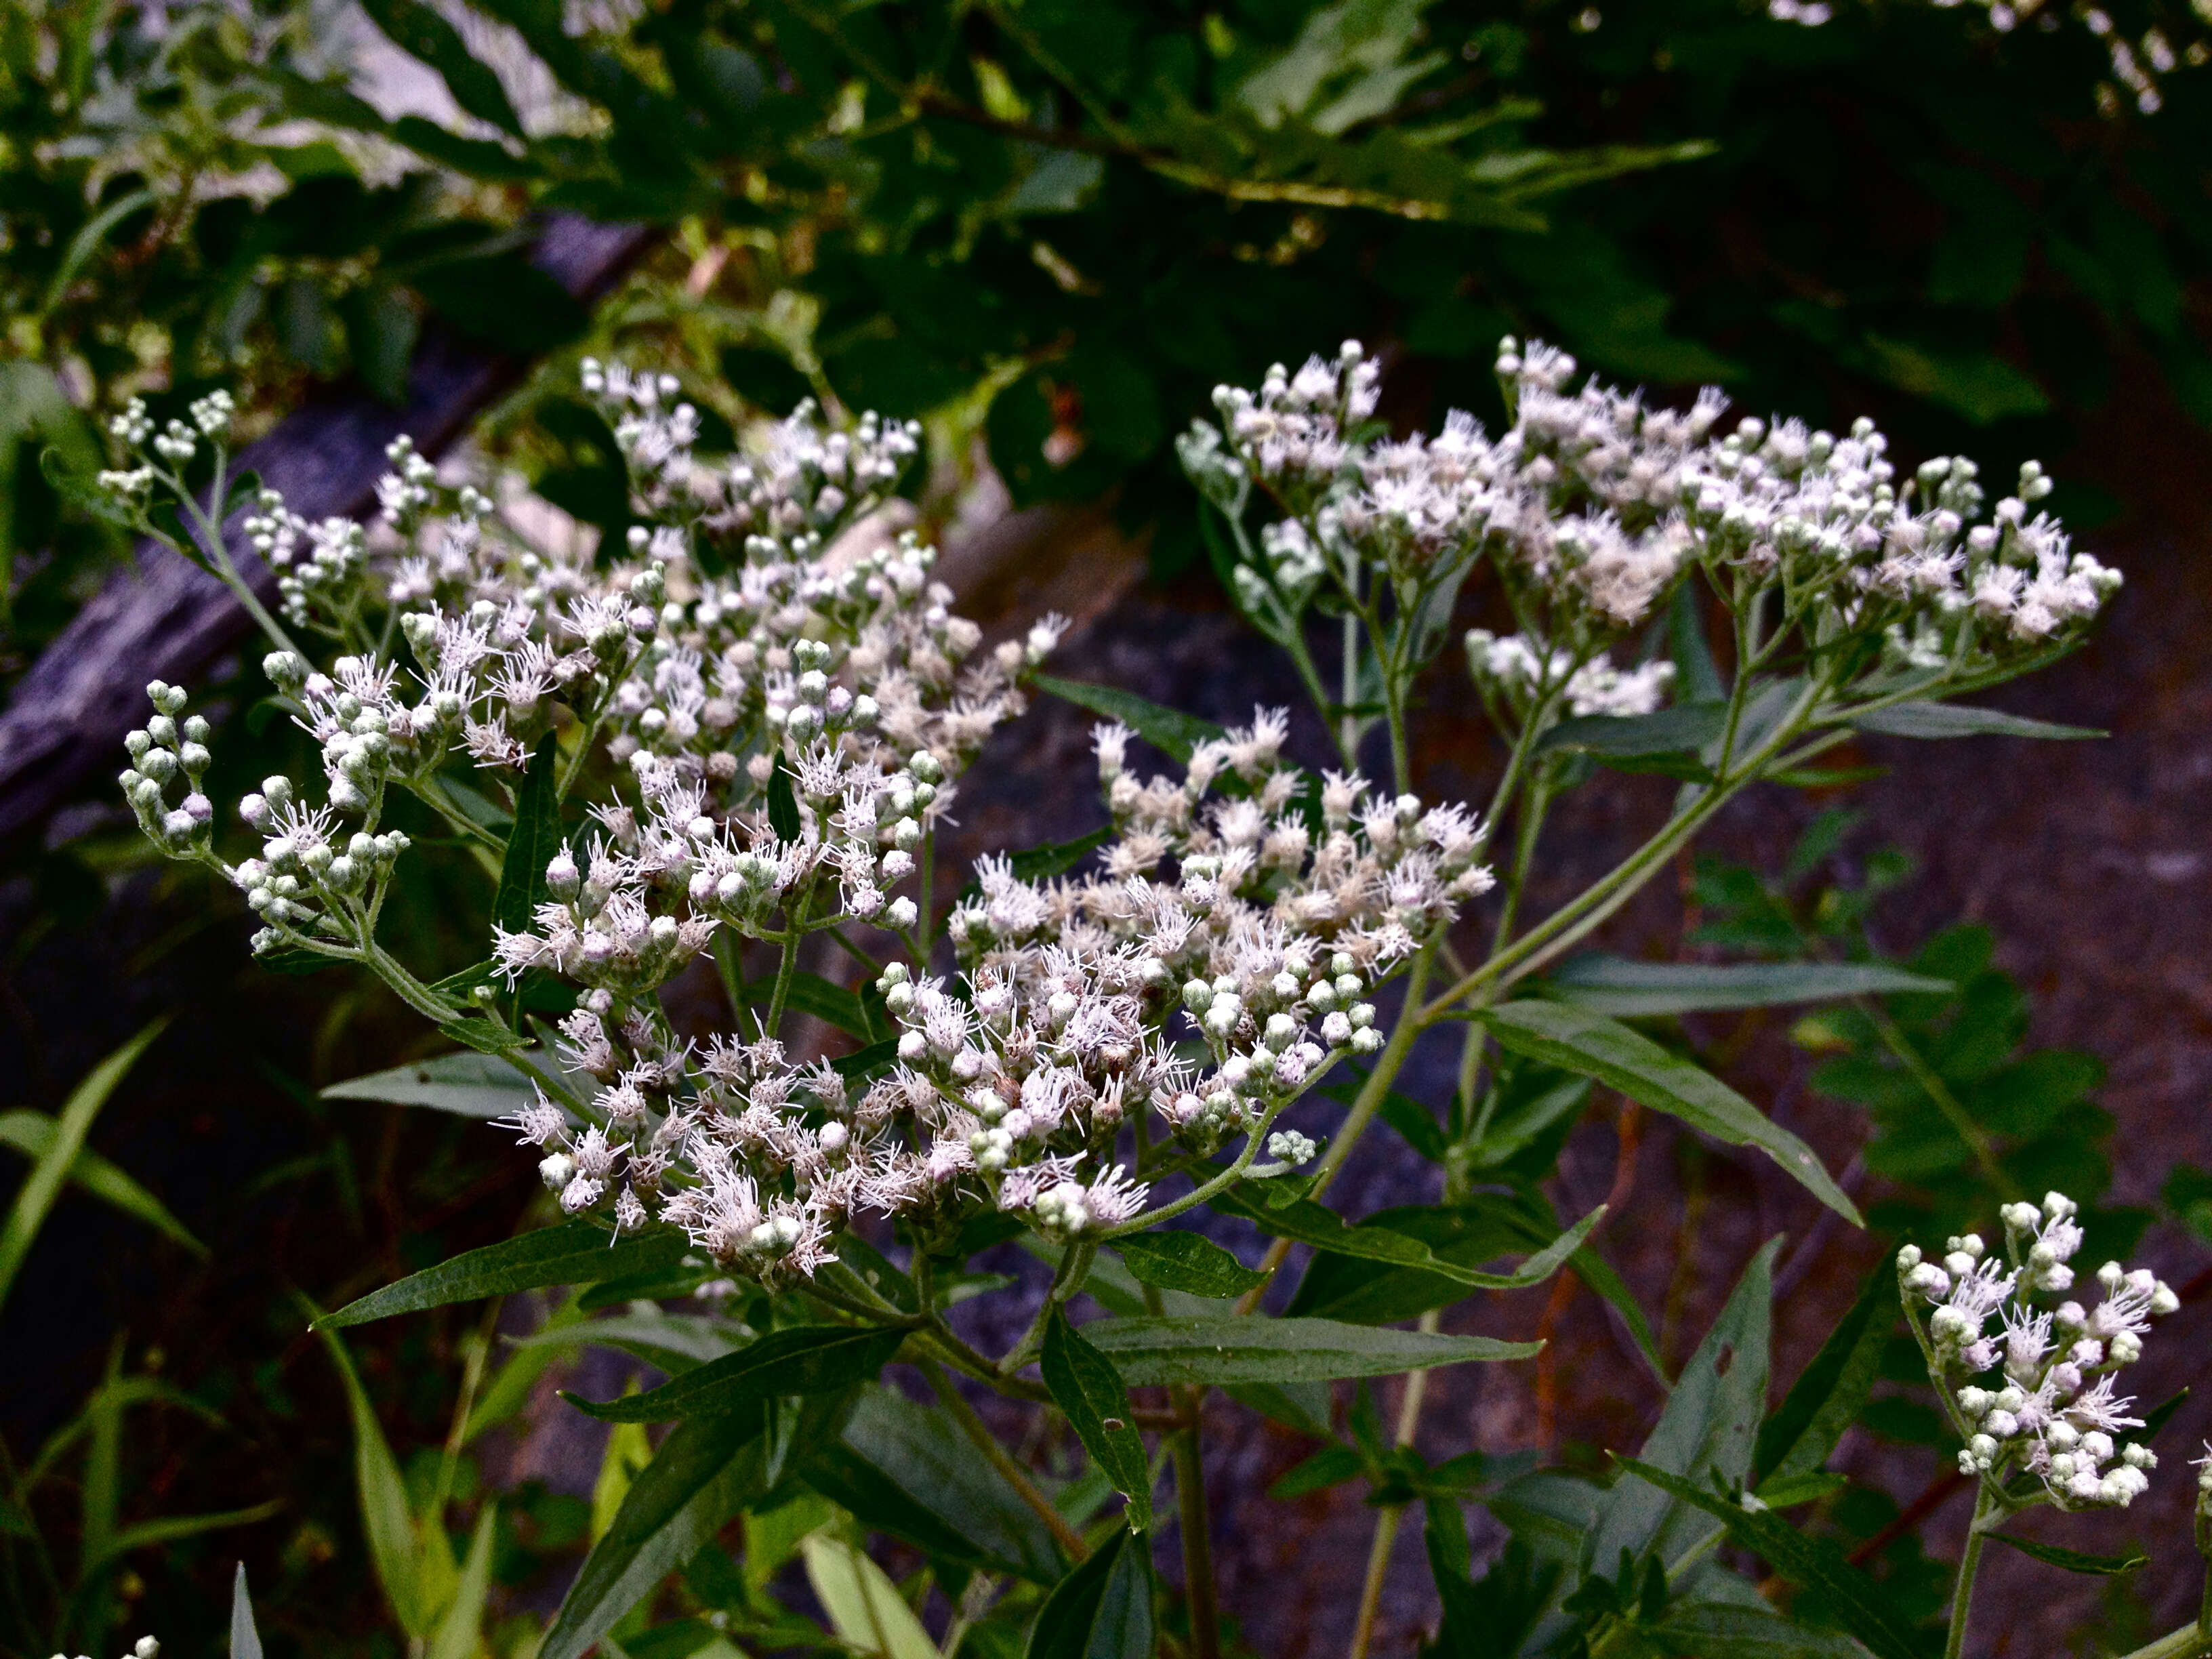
733	740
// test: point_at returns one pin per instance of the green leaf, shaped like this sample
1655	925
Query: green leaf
1578	1040
1188	1263
1302	1406
782	803
1042	863
574	1253
1222	1350
1628	990
37	1194
421	33
1724	1630
245	1639
1595	1270
1366	1292
460	1632
674	1342
1332	1466
1827	1398
704	1471
1085	1385
811	994
1710	1423
1313	1224
908	1470
805	1360
2052	1555
1863	1608
1173	733
1951	719
866	1609
1682	730
34	1134
1101	1610
393	1548
467	1085
532	843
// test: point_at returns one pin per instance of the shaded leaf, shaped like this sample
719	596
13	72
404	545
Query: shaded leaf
704	1471
531	844
467	1085
1627	989
1579	1039
1827	1397
574	1253
805	1360
34	1134
1173	733
1101	1610
1313	1224
1186	1261
865	1608
2073	1560
1951	719
1682	730
1222	1350
782	803
1723	1630
393	1549
1085	1385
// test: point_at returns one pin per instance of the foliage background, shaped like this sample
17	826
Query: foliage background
1901	211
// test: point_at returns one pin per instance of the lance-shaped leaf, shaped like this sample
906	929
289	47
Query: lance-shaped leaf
468	1085
34	1134
1724	1630
1628	990
1313	1224
1827	1398
1101	1610
244	1638
2051	1555
704	1471
1863	1609
782	803
1186	1261
532	843
574	1253
1578	1040
1684	729
1085	1385
393	1549
1168	730
1709	1424
805	1359
907	1470
1951	719
1225	1349
866	1609
674	1342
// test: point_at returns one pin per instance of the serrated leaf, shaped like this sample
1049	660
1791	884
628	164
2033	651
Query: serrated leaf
1627	989
574	1253
467	1085
1085	1385
1186	1261
1313	1224
1951	719
907	1470
1863	1608
531	844
1101	1610
805	1360
704	1471
1682	730
1579	1039
1220	1350
1172	732
782	804
1827	1397
1710	1421
2052	1555
1723	1630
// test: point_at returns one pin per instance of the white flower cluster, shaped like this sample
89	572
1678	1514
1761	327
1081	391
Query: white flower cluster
162	752
1591	504
767	622
1011	1087
1510	673
2053	1412
144	1648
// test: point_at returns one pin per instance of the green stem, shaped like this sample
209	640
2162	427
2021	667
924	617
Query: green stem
979	1433
1962	1594
730	964
2187	1643
1195	1525
1392	1516
209	534
1198	1194
784	969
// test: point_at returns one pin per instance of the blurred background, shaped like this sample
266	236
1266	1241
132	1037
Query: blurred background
1048	230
